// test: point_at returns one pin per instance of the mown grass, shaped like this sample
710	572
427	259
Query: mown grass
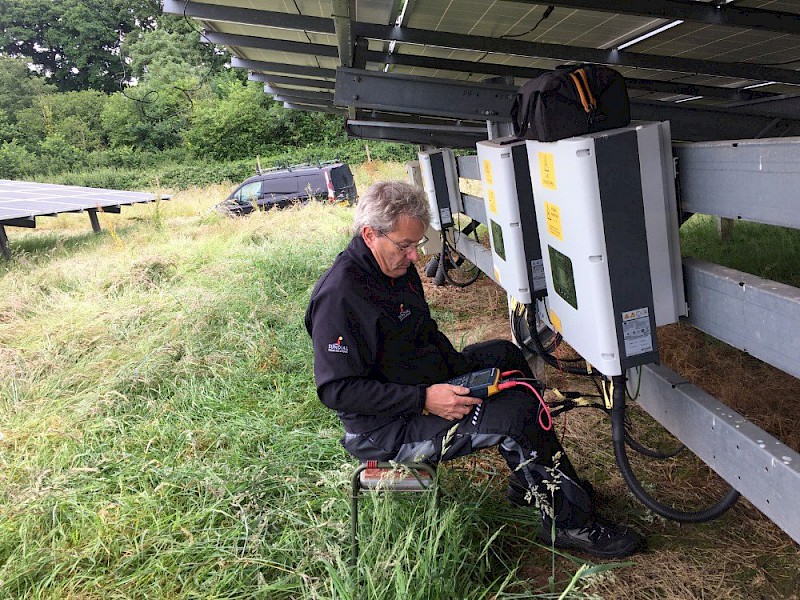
160	435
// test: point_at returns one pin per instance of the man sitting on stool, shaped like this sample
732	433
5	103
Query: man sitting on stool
380	360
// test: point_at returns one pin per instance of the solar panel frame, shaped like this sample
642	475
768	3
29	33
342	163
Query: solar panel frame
22	201
701	50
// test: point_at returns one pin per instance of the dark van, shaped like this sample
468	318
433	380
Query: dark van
330	182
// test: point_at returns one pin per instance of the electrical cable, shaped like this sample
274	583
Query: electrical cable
543	408
539	349
635	444
556	336
445	263
547	12
151	96
638	385
618	440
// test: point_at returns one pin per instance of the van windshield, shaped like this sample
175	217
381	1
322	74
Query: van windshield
342	179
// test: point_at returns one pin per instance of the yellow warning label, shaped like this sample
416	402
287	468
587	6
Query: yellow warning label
553	215
555	321
547	170
487	172
497	276
492	201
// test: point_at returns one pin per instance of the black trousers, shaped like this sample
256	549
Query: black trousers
508	420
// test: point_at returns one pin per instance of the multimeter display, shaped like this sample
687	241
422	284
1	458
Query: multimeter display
481	384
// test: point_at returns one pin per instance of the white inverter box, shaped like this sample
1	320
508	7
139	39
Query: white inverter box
511	218
440	182
608	231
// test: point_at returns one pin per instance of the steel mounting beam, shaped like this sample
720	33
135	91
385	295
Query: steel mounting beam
325	98
281	80
459	41
345	40
259	66
422	135
248	16
696	123
4	243
750	179
763	469
745	311
423	95
700	12
26	222
464	100
298	105
249	41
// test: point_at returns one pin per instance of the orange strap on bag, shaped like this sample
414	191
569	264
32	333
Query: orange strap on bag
584	90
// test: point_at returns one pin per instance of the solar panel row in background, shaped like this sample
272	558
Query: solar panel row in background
22	201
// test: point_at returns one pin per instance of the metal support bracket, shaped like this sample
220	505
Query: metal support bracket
745	311
754	180
763	469
423	95
95	221
4	243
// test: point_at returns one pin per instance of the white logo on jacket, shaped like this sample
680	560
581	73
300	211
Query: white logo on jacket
337	346
404	313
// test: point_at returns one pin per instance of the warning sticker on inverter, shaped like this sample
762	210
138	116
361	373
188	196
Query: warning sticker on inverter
636	331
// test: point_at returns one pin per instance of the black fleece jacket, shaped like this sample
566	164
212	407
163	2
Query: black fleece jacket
376	347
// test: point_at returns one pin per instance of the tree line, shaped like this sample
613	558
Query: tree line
86	84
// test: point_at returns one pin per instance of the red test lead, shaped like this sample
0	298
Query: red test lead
509	384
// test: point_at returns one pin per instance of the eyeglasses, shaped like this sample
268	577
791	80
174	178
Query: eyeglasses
405	248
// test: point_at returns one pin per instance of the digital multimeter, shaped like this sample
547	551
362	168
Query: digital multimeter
481	384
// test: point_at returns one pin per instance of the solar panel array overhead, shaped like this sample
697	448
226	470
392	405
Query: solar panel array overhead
716	68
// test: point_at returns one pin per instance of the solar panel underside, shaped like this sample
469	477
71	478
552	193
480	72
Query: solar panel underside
27	200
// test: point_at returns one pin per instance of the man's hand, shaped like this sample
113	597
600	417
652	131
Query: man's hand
449	401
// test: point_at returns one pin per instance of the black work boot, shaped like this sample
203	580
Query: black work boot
603	540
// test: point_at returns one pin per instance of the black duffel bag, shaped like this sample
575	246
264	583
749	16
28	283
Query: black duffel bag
572	100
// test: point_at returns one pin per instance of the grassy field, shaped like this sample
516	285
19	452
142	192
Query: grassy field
160	435
764	250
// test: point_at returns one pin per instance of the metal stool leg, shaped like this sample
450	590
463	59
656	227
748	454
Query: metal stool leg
354	494
390	486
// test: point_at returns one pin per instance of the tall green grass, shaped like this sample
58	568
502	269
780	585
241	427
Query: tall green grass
160	435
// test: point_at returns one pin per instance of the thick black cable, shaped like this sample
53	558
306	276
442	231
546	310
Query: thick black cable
539	349
618	439
637	446
445	262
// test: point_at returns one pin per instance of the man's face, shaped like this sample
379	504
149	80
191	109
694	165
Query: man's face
395	250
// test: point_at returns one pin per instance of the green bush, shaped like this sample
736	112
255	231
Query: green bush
57	155
184	176
246	122
128	168
15	160
133	157
108	178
